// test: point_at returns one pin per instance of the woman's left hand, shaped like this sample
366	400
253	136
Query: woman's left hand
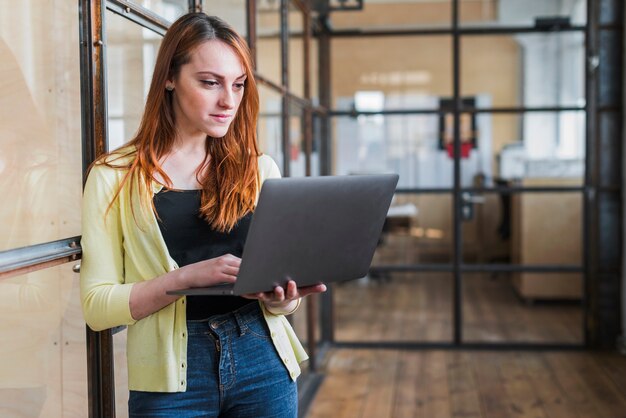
282	299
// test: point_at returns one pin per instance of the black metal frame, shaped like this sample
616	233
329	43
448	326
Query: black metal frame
589	190
604	172
100	376
139	15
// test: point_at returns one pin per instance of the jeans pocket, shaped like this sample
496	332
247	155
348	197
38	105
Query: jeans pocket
258	328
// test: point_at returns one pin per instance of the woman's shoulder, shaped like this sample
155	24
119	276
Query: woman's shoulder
268	167
114	164
119	158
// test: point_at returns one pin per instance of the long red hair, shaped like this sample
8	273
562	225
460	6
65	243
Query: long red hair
229	174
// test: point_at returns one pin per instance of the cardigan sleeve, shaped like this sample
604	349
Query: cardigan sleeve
104	294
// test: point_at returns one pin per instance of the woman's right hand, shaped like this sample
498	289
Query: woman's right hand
222	269
149	296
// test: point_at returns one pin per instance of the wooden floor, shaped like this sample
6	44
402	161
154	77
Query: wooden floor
363	383
471	384
418	307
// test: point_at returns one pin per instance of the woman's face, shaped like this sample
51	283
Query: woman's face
208	90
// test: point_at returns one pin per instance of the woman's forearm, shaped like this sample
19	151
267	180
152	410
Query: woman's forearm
150	296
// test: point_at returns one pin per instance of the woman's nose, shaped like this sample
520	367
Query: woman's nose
227	99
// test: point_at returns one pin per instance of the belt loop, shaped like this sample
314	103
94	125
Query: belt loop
241	324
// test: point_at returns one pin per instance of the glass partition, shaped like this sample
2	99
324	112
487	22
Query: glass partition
297	146
418	230
522	12
296	50
531	70
407	80
168	9
269	125
408	145
232	11
269	59
406	307
505	149
399	14
40	128
526	228
131	55
497	309
43	372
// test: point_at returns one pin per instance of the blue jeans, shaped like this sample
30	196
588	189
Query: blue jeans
233	371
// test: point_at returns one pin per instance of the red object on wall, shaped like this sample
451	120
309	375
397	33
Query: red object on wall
466	147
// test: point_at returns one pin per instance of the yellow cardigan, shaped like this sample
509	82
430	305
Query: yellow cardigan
127	247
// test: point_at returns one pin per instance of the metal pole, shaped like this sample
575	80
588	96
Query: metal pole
458	233
621	343
195	6
284	53
100	370
308	111
251	28
590	171
327	318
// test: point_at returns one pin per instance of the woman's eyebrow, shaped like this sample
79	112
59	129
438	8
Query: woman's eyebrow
220	76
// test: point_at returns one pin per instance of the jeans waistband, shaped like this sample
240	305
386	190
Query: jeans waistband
235	320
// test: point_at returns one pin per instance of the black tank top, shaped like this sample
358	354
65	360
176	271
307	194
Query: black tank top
190	239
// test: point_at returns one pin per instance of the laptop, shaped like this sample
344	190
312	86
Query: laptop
311	230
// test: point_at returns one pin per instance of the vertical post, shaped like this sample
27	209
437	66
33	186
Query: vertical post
93	83
458	232
195	6
325	95
605	105
589	221
312	305
251	28
308	111
327	318
622	339
284	61
101	394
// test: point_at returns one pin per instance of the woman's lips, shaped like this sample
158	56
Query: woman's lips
221	117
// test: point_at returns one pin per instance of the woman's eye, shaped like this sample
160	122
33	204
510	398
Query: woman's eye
209	83
238	86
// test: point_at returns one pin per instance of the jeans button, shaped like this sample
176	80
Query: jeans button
214	325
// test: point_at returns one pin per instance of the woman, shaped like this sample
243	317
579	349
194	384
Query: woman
171	210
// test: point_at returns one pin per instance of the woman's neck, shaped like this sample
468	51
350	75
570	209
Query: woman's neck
182	163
